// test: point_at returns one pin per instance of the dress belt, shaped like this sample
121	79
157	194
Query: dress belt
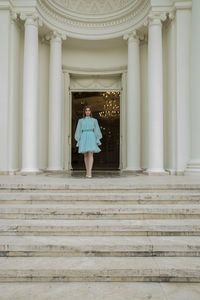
87	129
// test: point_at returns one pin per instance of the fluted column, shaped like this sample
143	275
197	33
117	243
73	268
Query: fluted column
55	103
193	166
155	96
30	97
133	103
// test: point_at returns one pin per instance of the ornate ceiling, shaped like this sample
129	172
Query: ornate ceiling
94	7
93	19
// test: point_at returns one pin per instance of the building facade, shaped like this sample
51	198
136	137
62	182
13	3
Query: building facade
146	50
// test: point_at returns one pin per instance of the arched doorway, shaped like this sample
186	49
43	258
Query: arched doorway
106	109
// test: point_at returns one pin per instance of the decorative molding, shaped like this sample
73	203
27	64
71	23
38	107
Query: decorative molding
97	19
96	27
75	71
95	82
94	7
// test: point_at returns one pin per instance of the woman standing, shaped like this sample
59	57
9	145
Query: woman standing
88	135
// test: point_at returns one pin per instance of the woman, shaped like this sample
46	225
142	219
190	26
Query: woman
88	135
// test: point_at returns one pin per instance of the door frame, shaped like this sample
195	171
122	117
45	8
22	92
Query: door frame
69	89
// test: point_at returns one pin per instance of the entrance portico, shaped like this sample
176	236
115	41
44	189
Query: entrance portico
123	52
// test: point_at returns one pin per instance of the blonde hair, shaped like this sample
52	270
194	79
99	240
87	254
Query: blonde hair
87	106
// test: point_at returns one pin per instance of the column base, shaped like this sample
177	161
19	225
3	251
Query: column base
4	172
13	171
193	167
156	172
132	171
180	173
171	171
56	171
25	172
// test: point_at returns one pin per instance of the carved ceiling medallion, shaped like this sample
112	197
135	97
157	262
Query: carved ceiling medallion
94	6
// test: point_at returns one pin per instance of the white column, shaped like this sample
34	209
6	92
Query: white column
4	86
171	113
193	167
13	138
30	97
55	104
133	103
155	96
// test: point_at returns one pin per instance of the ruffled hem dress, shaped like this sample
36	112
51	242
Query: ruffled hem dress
88	135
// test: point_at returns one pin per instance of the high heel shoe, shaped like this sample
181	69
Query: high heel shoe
88	176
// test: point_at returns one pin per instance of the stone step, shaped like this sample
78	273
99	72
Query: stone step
158	227
101	197
94	184
99	246
99	211
60	269
99	290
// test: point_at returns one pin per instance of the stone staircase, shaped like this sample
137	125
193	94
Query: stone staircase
63	233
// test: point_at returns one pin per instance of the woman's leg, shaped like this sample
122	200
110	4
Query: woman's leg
86	162
90	162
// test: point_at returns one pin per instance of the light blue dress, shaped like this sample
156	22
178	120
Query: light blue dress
88	135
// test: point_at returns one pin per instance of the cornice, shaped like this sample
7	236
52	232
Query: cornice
182	4
6	5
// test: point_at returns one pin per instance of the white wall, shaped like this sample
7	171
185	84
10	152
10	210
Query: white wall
80	56
183	43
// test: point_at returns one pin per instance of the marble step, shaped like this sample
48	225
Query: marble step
101	197
95	184
120	246
105	269
157	227
99	290
97	211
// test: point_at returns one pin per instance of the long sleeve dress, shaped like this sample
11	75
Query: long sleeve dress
88	135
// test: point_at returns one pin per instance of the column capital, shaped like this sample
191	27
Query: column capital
155	18
172	14
31	19
56	36
13	16
132	36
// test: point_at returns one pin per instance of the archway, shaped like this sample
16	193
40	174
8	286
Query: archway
106	109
